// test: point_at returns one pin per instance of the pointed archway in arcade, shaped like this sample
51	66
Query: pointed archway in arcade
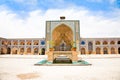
119	50
14	50
105	50
3	50
35	50
21	51
90	47
112	50
98	50
83	51
43	51
118	42
8	50
29	50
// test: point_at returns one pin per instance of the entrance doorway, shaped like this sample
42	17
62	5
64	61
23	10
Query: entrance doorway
97	50
119	50
3	51
82	50
14	50
112	50
21	51
90	48
118	42
43	51
8	50
35	51
105	50
29	50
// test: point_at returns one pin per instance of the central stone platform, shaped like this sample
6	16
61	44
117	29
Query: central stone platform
62	59
64	53
44	62
53	55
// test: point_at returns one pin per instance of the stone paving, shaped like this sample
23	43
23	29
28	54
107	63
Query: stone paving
21	67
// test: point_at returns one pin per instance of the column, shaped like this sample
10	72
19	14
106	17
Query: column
18	49
11	50
39	48
86	47
25	47
50	56
11	46
32	49
39	51
24	51
77	45
74	56
109	49
94	47
116	50
102	50
101	46
47	49
0	45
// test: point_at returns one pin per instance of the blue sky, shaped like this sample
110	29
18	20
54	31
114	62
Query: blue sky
25	6
22	12
28	5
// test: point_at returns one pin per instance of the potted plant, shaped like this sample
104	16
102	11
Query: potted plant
73	49
51	46
73	46
51	49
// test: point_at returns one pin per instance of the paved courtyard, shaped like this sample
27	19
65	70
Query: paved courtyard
21	67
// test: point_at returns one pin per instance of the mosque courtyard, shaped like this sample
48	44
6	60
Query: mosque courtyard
21	67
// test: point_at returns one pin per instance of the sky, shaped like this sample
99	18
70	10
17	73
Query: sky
26	18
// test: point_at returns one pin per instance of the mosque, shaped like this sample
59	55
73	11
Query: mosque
61	35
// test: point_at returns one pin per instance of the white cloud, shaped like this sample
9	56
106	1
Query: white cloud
33	26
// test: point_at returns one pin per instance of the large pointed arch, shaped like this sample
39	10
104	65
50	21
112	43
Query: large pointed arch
62	33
